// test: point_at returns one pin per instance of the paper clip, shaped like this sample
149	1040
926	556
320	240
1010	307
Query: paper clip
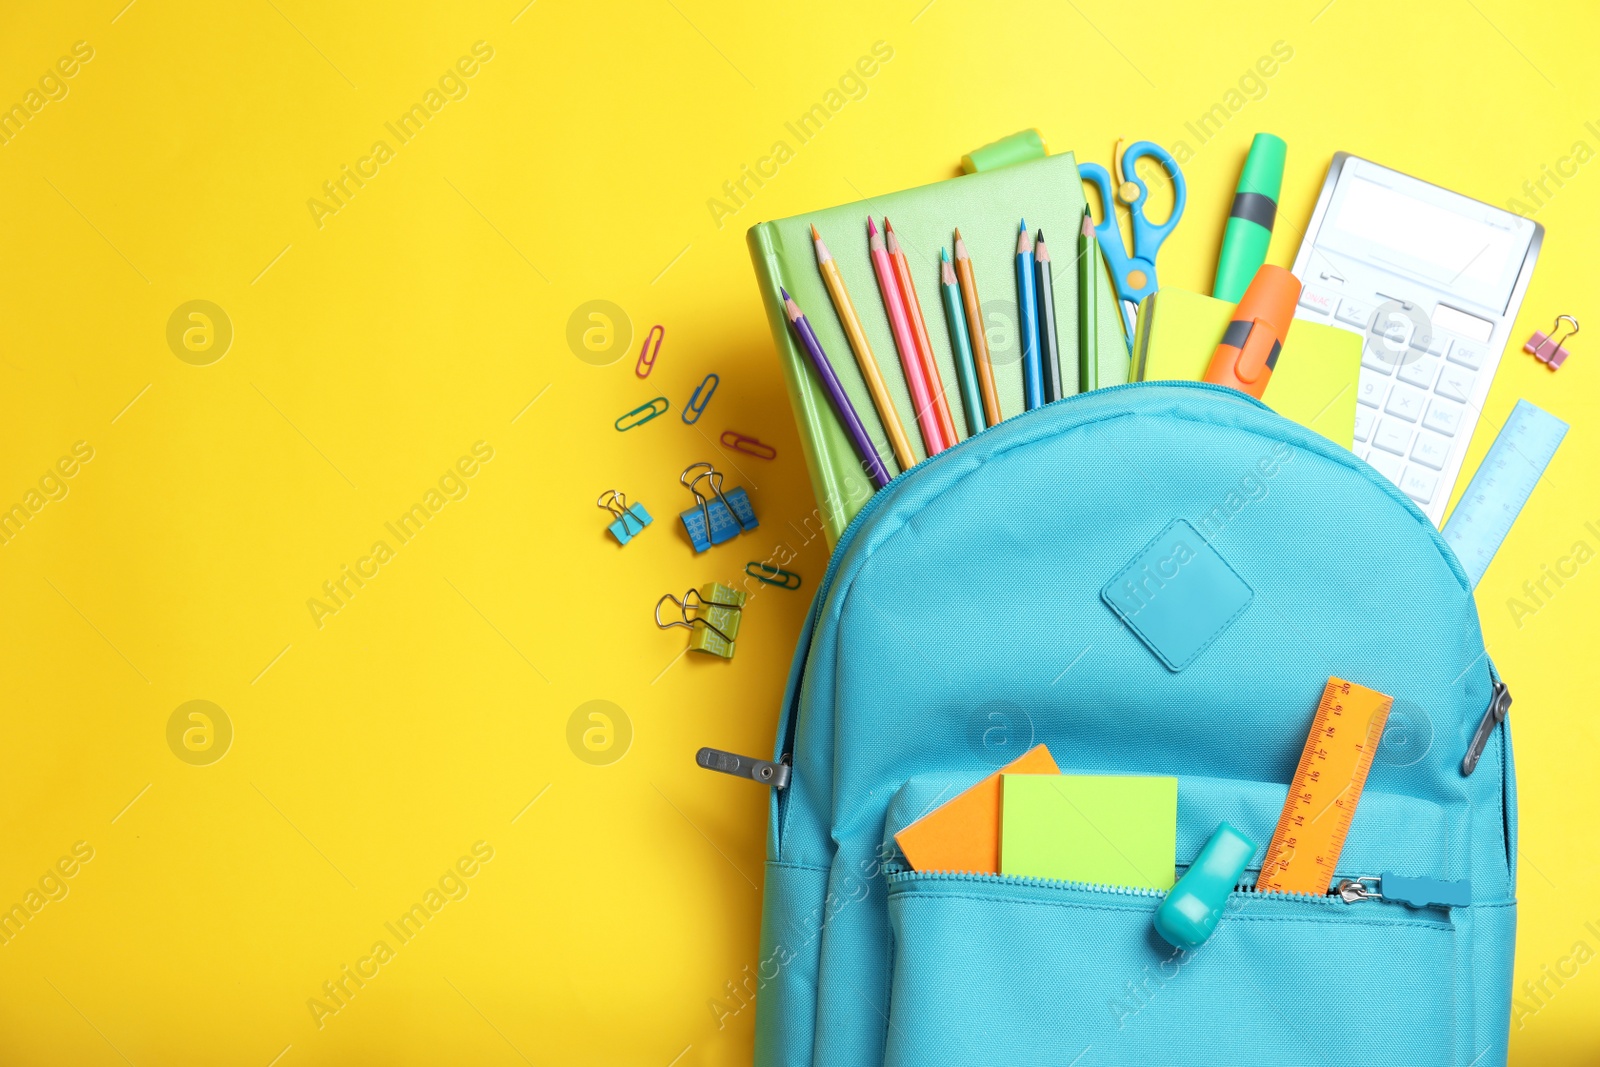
646	412
714	624
719	517
748	445
1548	349
702	396
631	519
647	355
766	572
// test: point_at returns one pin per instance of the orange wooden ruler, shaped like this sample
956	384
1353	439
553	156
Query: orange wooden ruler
1327	786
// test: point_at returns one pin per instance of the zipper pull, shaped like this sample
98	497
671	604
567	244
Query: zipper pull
757	770
1402	889
1499	704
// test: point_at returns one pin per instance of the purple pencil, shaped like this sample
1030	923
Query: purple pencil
836	393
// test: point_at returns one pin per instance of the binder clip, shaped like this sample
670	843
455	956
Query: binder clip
630	519
720	517
711	614
1548	349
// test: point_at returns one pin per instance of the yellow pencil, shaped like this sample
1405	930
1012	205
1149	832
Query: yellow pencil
863	351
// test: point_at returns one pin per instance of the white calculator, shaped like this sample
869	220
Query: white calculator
1432	281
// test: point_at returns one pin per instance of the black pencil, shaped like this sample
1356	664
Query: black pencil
1049	353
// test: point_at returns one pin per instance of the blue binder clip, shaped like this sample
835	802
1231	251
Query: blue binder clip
629	519
720	517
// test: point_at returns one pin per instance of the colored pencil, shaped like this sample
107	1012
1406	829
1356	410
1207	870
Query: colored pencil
919	333
1088	307
1049	349
904	343
960	344
835	389
980	340
846	310
1028	323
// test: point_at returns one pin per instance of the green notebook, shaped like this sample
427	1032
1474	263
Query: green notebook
986	207
1314	382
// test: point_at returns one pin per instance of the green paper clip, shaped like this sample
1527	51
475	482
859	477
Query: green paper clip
646	412
765	572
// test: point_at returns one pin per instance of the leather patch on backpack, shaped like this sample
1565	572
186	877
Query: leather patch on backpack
1177	595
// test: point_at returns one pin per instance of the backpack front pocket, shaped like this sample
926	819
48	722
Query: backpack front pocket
996	970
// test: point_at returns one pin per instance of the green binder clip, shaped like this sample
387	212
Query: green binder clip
1018	148
1193	907
710	614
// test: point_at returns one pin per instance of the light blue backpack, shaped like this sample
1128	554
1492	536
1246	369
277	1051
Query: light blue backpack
966	617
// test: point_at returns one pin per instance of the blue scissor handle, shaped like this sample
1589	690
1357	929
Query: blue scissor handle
1147	236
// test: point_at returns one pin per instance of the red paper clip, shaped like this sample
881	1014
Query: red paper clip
647	355
748	445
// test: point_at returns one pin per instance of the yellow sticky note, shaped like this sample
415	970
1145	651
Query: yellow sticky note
1119	830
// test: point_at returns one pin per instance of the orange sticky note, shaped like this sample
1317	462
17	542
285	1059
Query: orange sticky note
964	834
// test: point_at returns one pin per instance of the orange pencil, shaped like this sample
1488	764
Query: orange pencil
980	340
919	332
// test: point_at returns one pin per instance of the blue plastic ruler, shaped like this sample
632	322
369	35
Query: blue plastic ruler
1501	486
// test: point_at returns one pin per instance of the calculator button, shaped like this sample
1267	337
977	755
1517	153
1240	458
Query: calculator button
1395	329
1388	466
1455	383
1418	485
1376	358
1364	420
1371	389
1405	402
1319	300
1431	450
1467	354
1436	344
1356	314
1419	369
1443	416
1392	436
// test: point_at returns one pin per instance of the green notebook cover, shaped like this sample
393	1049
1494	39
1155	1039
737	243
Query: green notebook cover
1314	382
986	207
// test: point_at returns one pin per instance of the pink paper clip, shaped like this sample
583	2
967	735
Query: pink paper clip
647	355
1547	349
748	445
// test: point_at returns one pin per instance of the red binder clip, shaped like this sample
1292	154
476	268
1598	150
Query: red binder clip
1548	349
748	445
647	354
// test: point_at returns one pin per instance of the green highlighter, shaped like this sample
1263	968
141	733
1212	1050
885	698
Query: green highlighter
1255	206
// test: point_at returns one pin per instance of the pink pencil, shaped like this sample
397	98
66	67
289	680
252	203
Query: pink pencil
905	342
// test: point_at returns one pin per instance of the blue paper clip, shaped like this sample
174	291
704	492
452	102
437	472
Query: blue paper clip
766	572
630	519
646	412
702	396
718	518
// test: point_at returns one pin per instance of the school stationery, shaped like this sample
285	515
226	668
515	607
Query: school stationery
711	614
963	834
1133	272
648	354
836	394
1249	349
955	320
1345	732
642	414
1501	486
973	307
919	333
882	402
770	575
1100	829
1255	207
1049	350
1547	348
1089	268
1314	384
904	342
1189	913
628	520
1431	281
1019	147
1028	323
700	398
986	207
1412	892
750	446
720	517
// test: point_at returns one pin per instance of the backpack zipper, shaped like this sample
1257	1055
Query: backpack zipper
757	770
1499	704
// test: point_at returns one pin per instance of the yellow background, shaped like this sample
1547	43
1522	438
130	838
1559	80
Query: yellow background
425	315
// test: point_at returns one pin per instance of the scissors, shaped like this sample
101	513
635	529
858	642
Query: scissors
1134	276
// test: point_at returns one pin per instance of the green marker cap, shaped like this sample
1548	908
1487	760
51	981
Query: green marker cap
1263	168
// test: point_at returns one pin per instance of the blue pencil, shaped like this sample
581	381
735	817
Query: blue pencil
1028	323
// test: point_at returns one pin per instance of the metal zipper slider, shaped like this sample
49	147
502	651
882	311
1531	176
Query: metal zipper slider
1403	889
1499	704
757	770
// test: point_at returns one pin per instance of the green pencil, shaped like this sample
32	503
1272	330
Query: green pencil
1088	307
960	345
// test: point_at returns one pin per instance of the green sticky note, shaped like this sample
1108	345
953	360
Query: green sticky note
1119	830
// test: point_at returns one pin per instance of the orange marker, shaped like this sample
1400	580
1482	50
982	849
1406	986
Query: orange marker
1252	341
